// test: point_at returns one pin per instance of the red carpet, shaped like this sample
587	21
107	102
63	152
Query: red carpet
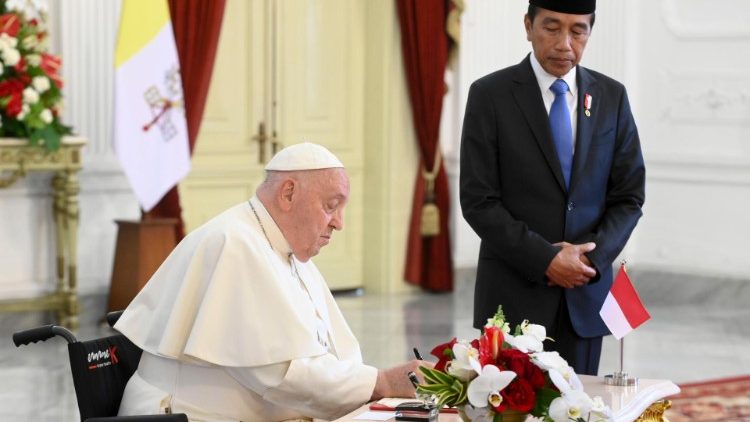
726	399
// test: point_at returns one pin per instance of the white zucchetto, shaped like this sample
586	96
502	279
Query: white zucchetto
304	156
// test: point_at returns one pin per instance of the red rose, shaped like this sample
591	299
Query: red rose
444	353
512	360
11	86
520	363
519	395
535	376
14	89
14	105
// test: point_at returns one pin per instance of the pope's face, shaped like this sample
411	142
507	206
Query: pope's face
318	211
558	39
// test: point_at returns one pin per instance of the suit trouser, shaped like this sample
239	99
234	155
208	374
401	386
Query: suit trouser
581	353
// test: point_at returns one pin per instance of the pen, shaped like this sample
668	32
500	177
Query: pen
413	378
417	355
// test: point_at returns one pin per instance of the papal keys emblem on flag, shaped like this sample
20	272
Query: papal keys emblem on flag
162	104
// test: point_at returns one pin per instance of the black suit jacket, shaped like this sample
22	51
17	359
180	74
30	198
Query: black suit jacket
513	194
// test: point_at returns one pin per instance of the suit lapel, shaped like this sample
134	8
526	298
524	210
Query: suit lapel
586	85
529	100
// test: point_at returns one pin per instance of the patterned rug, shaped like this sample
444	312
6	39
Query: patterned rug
726	399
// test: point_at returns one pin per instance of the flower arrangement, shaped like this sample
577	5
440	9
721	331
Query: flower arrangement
500	376
30	96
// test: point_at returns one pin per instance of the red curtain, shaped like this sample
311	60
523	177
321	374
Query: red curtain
425	46
196	25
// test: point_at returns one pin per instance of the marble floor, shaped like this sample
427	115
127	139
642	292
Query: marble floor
700	329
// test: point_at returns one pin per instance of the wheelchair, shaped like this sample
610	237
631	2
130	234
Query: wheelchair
101	368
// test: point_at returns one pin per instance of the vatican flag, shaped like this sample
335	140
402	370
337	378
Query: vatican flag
150	131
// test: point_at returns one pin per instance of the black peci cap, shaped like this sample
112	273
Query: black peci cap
574	7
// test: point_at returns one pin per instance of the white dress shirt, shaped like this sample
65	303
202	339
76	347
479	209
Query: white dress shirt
546	80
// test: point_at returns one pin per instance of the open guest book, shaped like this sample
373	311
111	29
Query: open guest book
628	403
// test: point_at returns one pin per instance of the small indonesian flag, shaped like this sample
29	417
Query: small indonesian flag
623	310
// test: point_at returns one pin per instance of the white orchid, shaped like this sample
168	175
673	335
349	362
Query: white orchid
535	330
572	404
530	339
548	361
524	343
485	389
465	364
565	384
600	411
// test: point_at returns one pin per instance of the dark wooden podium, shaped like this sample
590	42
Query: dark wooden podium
141	248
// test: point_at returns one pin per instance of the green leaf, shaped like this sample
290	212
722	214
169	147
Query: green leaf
430	377
433	376
544	397
431	389
49	135
445	378
462	396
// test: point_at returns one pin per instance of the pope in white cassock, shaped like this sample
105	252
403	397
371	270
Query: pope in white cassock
239	325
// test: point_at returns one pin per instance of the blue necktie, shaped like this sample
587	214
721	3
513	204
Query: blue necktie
562	131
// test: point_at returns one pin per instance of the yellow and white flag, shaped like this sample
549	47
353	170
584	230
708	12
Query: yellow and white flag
150	130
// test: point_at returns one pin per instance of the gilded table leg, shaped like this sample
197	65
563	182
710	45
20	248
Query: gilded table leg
71	214
655	412
58	211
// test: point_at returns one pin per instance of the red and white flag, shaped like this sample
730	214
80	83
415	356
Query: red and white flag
623	310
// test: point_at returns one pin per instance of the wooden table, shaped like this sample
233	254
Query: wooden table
643	402
18	158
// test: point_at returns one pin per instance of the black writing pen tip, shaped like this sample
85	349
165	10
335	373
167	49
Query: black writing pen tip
417	355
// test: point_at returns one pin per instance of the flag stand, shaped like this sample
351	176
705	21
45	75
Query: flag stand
621	378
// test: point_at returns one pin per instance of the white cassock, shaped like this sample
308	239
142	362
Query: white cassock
234	328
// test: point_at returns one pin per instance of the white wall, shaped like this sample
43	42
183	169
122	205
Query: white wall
684	64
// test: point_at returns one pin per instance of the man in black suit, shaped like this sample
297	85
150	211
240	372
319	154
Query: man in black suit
552	180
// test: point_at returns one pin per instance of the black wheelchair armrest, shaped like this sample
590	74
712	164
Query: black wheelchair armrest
112	317
175	417
42	333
